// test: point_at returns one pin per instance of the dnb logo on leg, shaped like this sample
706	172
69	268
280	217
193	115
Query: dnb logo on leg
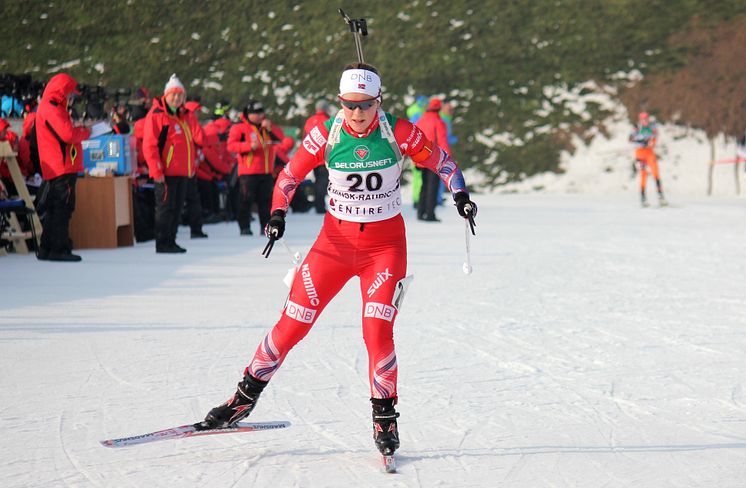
299	312
379	311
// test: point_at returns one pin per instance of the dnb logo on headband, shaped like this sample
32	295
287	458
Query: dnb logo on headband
361	152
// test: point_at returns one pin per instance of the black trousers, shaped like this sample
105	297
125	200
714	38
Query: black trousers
428	195
209	197
169	199
59	206
194	205
255	189
143	206
321	174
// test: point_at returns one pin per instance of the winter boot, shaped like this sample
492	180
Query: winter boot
385	430
644	200
238	407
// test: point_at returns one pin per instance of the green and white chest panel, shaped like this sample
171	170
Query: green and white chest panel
364	173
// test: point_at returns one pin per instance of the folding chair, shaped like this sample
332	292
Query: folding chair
11	234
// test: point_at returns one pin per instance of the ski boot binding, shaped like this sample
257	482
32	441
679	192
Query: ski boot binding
238	407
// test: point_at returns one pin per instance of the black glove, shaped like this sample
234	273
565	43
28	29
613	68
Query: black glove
276	225
274	230
466	208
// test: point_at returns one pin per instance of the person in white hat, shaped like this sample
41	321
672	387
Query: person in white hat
362	235
169	139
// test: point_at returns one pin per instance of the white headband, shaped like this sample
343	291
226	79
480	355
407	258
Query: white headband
360	81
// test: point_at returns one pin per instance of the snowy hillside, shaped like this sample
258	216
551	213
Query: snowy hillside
604	166
595	344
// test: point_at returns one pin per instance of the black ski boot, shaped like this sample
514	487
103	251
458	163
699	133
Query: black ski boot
238	407
385	430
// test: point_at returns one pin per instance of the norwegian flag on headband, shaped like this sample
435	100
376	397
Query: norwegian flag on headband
361	86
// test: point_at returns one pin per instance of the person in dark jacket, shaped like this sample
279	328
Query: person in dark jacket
61	158
169	138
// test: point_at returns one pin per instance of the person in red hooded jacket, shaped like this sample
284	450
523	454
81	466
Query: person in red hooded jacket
254	139
433	126
169	139
61	159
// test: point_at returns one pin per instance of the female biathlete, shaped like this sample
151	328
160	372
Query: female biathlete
362	235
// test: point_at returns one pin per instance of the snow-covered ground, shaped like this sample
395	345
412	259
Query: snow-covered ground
596	344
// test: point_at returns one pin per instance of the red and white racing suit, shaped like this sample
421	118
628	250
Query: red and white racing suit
362	235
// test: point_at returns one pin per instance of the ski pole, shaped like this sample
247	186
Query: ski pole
296	256
467	264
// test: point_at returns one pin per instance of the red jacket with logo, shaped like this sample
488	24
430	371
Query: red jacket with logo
254	147
169	141
59	141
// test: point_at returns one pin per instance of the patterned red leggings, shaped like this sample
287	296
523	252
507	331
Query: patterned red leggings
374	251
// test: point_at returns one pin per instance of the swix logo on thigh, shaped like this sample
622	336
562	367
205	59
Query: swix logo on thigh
380	279
300	313
379	311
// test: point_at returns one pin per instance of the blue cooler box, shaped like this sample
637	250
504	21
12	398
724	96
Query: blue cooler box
109	152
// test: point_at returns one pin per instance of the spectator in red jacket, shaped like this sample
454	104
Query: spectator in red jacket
11	137
24	147
169	139
221	163
193	200
436	130
139	109
254	139
61	160
320	173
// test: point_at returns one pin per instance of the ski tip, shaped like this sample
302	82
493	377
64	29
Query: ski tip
389	463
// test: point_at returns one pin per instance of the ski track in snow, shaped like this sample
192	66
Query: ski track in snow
596	344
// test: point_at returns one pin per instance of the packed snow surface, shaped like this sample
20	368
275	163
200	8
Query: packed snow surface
596	344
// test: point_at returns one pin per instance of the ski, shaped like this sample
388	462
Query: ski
389	463
191	430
